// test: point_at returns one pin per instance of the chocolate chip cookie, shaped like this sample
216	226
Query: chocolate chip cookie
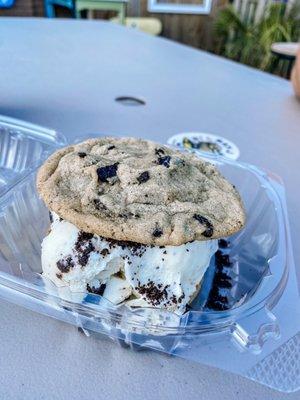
137	190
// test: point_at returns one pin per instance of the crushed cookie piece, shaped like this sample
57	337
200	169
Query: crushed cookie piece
99	291
84	247
222	260
155	294
104	252
223	243
65	264
82	236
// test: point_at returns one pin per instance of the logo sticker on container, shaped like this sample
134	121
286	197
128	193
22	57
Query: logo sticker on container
206	142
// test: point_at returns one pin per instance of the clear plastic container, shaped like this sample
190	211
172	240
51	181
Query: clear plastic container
247	331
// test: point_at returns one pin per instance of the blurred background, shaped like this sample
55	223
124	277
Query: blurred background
261	33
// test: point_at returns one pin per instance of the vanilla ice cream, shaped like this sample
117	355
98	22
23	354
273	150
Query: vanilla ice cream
129	273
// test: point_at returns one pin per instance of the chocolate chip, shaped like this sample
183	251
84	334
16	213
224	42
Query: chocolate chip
204	221
98	205
99	291
81	154
111	147
143	177
59	276
65	264
158	152
157	232
126	214
50	217
109	171
165	161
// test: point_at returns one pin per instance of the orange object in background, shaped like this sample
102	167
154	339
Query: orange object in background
295	77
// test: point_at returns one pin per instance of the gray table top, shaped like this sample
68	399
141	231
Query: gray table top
66	75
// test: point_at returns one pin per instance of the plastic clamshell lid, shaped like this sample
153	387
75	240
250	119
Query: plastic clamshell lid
259	254
23	148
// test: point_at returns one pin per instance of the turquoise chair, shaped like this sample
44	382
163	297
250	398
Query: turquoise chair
50	7
76	6
6	3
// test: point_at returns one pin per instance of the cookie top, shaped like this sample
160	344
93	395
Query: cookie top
137	190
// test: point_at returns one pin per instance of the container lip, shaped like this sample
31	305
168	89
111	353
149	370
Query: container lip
46	135
213	321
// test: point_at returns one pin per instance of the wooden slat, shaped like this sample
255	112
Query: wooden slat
193	30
